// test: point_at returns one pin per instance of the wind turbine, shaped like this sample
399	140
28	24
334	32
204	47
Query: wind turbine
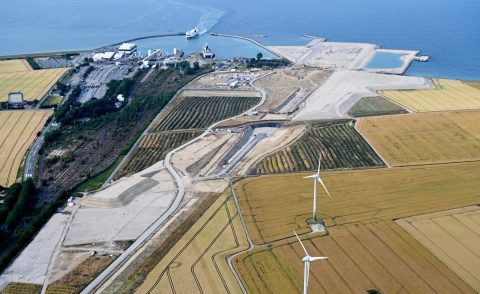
316	177
306	260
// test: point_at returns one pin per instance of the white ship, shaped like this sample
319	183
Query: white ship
207	52
192	34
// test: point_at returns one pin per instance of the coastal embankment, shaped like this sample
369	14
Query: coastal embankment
249	40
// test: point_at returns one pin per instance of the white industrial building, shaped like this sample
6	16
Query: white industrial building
103	56
127	48
15	99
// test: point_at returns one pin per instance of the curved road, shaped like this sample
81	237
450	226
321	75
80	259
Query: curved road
97	282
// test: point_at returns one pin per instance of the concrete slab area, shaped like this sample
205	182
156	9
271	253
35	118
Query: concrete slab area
340	55
32	264
328	55
148	198
344	88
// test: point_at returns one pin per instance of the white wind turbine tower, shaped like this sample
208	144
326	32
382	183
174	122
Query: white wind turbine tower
316	177
306	260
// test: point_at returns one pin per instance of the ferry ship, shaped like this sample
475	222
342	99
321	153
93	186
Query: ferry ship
192	34
207	52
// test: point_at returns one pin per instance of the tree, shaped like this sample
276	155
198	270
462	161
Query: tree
196	66
259	56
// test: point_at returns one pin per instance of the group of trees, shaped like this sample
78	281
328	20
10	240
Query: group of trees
271	63
33	64
88	71
62	88
187	69
18	200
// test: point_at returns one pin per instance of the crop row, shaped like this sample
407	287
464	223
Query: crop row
21	288
370	106
340	145
200	112
153	148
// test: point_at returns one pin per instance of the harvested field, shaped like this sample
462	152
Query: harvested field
448	95
18	129
340	145
197	262
152	148
34	84
80	276
476	85
378	256
14	65
454	237
274	206
424	138
372	106
21	288
201	112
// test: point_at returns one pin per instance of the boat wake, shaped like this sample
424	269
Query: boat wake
209	16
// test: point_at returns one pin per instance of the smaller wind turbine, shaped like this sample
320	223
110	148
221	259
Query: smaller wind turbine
316	177
306	260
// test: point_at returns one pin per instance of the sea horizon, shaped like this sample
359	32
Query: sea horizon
453	46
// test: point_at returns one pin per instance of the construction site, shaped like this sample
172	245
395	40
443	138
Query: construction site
210	196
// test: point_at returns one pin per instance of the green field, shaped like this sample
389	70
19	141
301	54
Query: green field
371	106
201	112
340	145
52	101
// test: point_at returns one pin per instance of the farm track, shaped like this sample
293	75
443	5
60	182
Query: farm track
221	210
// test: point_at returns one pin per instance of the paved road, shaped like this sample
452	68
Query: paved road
29	169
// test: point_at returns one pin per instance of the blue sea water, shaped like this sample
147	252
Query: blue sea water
386	60
447	30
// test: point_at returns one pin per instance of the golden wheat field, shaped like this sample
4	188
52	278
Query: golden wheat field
424	138
14	65
448	95
274	206
18	130
361	257
197	262
34	83
454	237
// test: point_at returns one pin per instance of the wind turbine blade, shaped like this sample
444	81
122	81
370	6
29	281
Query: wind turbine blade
308	177
319	163
307	274
306	253
318	258
326	190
